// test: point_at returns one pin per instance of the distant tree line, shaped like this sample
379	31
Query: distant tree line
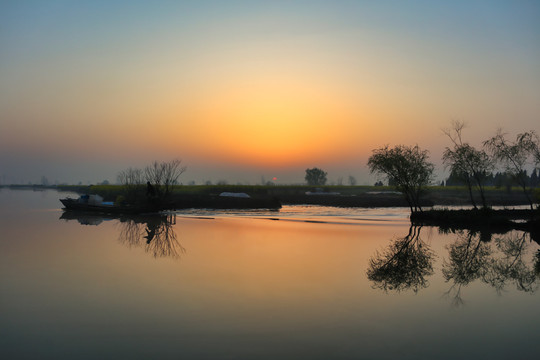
498	179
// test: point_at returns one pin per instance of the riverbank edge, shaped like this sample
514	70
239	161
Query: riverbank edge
336	196
484	221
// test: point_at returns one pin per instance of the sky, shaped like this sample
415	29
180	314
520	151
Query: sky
243	91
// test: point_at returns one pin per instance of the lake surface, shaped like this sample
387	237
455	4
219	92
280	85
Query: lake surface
302	283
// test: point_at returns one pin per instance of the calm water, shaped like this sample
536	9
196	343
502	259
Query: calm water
302	283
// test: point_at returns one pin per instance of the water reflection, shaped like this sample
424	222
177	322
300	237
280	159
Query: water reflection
468	260
512	266
404	264
537	263
505	260
155	234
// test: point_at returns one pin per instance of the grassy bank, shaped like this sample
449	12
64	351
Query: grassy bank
483	221
346	196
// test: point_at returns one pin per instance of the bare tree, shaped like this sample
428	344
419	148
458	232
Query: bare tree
515	155
132	181
163	176
407	167
470	164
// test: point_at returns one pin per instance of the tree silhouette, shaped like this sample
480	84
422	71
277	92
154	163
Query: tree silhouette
515	155
132	181
407	167
468	163
315	176
161	176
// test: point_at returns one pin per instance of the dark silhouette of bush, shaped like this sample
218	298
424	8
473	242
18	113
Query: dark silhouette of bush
316	177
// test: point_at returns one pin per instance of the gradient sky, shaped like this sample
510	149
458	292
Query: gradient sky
244	89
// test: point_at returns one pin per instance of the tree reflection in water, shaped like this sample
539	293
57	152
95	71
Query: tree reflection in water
468	259
405	264
505	261
155	234
537	263
511	266
498	262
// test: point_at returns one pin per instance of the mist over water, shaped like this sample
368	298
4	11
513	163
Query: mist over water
304	282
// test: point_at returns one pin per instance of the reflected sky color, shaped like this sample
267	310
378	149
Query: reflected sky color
244	89
244	287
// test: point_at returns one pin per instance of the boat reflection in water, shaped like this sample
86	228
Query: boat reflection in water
502	261
154	233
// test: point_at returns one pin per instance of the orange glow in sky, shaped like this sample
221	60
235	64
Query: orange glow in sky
271	124
265	89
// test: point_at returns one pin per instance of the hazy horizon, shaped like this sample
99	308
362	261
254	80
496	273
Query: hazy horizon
241	90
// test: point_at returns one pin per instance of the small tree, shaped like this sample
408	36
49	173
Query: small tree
163	175
515	155
408	167
132	181
466	162
315	176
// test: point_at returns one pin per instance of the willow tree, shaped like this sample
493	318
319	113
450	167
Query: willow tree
470	164
407	167
516	156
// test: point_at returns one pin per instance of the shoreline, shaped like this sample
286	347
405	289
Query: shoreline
337	196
